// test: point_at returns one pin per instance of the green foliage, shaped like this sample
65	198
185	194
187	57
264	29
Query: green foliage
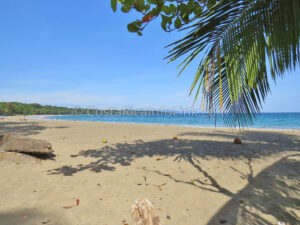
245	44
16	108
173	13
134	26
114	5
177	23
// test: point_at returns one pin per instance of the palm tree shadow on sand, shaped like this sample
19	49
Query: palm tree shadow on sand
260	196
273	192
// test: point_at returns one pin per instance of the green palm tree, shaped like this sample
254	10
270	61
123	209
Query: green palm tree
246	43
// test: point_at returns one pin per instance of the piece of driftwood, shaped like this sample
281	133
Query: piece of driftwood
15	143
143	213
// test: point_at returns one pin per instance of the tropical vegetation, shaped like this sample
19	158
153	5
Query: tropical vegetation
240	45
17	108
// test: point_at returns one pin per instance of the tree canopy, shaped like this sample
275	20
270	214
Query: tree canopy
246	43
17	108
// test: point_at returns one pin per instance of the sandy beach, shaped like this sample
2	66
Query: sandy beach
201	178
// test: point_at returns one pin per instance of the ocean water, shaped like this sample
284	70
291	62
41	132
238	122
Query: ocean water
263	120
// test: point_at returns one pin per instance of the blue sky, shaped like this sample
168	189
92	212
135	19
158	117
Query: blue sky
79	53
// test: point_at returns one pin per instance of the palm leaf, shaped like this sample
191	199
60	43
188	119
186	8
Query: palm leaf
245	43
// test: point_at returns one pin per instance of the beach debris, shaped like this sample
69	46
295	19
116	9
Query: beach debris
104	140
223	221
158	159
143	213
175	138
161	185
237	141
282	223
25	216
168	217
69	207
16	143
45	222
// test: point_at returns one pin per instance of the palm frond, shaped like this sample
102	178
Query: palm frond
245	42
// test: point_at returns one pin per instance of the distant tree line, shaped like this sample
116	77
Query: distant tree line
17	108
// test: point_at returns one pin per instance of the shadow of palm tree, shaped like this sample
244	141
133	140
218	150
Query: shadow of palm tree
273	192
192	151
183	149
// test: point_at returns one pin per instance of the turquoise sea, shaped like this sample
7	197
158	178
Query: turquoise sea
263	120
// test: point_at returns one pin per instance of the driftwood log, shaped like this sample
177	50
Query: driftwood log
15	143
143	213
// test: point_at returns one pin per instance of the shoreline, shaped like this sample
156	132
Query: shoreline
43	117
